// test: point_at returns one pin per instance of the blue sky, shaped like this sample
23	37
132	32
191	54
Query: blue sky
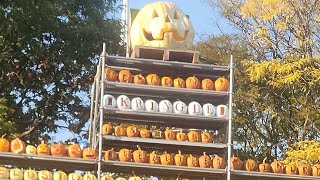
204	18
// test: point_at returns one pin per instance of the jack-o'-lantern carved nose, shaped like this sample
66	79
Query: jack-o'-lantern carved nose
168	19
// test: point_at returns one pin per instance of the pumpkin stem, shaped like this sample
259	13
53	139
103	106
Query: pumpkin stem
179	152
264	160
3	135
204	153
138	147
133	174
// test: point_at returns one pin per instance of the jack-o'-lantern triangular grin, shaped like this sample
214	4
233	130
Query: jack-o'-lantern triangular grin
175	34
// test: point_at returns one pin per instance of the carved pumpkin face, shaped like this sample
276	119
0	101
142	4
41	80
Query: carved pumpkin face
18	146
139	79
111	75
4	145
154	158
192	161
140	156
58	150
218	163
110	155
277	167
45	175
166	159
89	153
221	84
43	149
162	24
153	79
125	155
31	150
30	175
251	165
180	159
74	151
4	173
144	133
107	129
16	174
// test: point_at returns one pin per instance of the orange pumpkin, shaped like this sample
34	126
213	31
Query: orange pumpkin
144	133
43	149
139	79
205	161
194	136
192	161
107	129
277	167
218	163
251	165
166	159
125	76
58	150
132	131
291	169
110	155
181	136
264	167
180	159
305	170
206	137
236	163
125	155
166	81
111	75
154	158
179	83
169	134
89	153
221	84
193	83
140	156
207	84
4	145
316	170
74	151
153	79
120	131
17	146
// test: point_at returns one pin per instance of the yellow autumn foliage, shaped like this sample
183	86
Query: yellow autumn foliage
303	152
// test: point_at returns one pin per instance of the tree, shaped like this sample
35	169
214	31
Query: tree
275	29
48	53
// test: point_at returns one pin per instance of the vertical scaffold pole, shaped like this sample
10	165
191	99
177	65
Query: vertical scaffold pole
103	60
230	119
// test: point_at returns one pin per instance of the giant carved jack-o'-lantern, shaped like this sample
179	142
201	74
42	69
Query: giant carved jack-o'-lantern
162	24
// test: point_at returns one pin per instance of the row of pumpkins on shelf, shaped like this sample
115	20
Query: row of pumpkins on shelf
72	150
125	76
169	134
123	102
141	156
18	174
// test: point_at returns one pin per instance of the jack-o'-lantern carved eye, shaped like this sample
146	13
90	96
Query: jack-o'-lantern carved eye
175	16
155	14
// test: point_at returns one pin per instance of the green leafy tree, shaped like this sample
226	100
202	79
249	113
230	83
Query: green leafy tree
48	53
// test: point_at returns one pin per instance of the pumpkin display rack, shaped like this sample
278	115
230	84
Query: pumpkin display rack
101	113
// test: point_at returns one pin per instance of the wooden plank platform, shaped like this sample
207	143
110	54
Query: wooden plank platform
165	54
